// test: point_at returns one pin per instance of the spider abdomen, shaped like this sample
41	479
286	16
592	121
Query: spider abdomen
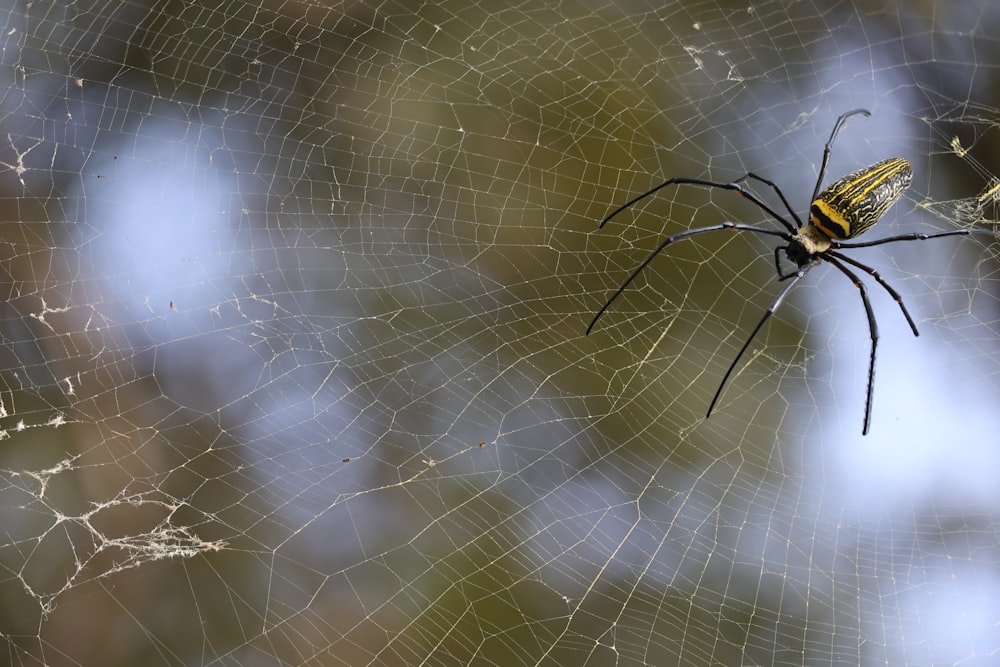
852	204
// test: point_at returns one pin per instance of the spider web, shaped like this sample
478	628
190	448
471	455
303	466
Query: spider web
294	367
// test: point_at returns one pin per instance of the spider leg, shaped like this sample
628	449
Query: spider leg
916	236
734	185
777	265
881	281
872	330
736	226
777	261
829	146
795	278
781	195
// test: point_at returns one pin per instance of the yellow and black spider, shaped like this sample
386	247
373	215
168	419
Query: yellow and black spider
844	210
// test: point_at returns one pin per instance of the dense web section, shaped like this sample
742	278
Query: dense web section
293	358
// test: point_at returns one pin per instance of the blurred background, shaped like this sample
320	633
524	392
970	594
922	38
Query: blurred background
292	357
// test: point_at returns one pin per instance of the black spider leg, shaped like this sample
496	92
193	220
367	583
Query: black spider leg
881	281
916	236
872	330
829	146
777	264
732	185
736	226
795	278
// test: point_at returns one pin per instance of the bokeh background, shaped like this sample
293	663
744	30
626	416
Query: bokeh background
292	357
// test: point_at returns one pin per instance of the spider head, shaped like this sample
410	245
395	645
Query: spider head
808	242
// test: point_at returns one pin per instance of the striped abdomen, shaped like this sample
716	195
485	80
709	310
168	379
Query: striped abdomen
852	204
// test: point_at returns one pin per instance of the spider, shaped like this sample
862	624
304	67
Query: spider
845	209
